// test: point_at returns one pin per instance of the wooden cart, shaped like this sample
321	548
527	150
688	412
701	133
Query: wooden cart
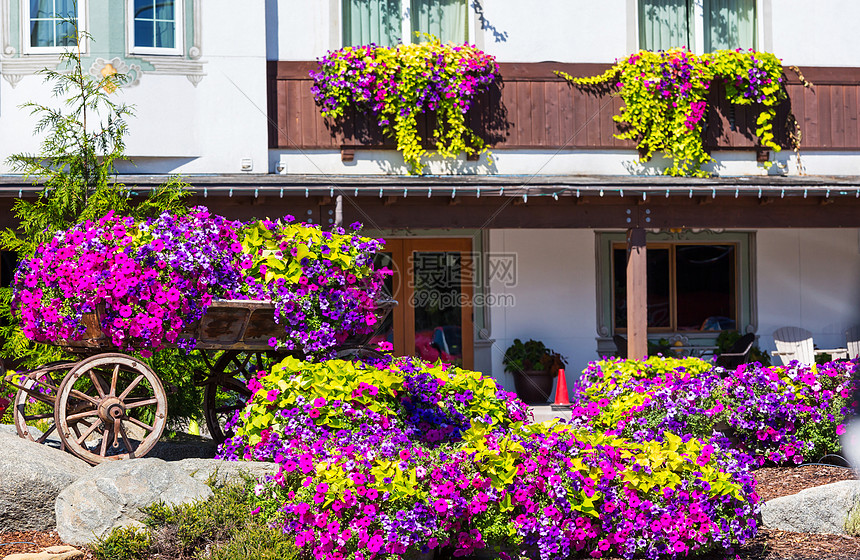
111	406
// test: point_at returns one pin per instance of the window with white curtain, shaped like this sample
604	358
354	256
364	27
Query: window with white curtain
389	22
155	27
49	25
699	25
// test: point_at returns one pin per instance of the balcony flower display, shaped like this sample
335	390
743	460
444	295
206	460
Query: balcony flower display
406	457
396	84
150	280
665	99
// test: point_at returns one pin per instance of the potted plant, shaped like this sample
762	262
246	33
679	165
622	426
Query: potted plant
533	366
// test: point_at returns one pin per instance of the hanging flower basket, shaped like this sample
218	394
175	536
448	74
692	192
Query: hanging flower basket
396	84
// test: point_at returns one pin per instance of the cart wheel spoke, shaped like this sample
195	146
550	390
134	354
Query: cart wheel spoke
138	404
44	416
126	441
140	424
98	383
44	437
113	379
84	397
93	427
131	386
75	418
105	437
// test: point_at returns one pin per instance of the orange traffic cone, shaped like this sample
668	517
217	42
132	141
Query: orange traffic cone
561	398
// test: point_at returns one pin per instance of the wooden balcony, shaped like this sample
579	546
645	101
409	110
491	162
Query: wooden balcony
531	108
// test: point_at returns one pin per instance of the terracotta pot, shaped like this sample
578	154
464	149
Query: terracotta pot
534	386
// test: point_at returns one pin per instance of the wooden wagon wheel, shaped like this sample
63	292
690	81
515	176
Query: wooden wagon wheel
226	390
110	407
33	410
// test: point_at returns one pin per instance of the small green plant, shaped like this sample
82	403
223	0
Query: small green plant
223	527
125	543
852	524
531	355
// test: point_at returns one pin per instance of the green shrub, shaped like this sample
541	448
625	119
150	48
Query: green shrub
125	543
222	527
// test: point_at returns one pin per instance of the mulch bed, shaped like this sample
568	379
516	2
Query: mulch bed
768	545
29	542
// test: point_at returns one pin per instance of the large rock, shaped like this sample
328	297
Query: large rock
184	446
225	471
31	477
823	509
110	495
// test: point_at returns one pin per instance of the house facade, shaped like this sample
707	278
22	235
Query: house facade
534	242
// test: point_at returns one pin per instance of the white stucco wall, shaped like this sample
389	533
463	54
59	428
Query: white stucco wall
554	295
816	33
808	278
177	127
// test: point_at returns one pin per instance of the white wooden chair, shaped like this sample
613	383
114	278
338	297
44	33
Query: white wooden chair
852	341
794	343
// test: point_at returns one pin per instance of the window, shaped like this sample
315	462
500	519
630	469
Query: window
698	284
389	22
155	27
700	25
48	28
691	287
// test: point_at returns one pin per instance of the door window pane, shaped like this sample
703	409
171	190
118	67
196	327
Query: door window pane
371	21
729	24
659	296
705	287
437	300
664	24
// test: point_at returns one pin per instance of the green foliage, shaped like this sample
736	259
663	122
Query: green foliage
125	543
222	527
531	355
665	99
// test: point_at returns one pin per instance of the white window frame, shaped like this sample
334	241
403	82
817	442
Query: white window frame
179	30
25	35
698	6
406	23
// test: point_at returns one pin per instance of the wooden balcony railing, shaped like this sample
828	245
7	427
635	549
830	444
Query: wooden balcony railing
531	108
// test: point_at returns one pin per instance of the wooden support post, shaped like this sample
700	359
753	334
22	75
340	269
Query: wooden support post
637	294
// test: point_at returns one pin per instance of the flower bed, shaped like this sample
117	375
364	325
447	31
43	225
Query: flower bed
152	279
772	414
407	457
396	84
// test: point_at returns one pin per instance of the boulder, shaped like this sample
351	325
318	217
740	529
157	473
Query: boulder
225	471
184	446
31	477
822	509
111	494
